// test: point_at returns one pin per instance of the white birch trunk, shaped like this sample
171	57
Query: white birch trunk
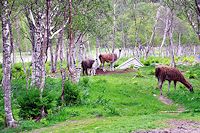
114	26
70	56
166	30
6	82
179	50
39	55
97	47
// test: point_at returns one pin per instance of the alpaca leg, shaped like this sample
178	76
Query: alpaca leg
175	84
113	66
103	67
158	83
86	71
169	86
160	87
83	71
91	72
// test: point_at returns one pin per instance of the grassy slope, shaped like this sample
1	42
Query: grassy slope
131	105
120	103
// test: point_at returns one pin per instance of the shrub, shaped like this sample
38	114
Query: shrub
84	82
2	107
84	86
191	75
75	94
71	93
48	67
155	60
17	71
31	102
1	75
189	59
139	74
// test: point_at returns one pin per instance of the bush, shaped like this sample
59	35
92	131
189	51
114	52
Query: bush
2	107
188	59
191	75
75	94
17	71
31	102
139	74
155	60
1	75
71	93
84	86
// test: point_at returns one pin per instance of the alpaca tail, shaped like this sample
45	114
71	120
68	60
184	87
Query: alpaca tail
82	64
100	57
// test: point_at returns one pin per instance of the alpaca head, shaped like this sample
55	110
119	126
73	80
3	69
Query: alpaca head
189	86
120	50
96	63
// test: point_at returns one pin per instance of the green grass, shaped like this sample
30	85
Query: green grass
119	103
109	124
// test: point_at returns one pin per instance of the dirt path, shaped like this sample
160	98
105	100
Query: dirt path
167	101
101	72
98	72
177	126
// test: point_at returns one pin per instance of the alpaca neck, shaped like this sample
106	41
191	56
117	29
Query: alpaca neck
186	83
119	55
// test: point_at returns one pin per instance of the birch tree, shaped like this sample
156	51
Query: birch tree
114	24
70	58
6	82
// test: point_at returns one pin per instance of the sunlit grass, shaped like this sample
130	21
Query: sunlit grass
120	103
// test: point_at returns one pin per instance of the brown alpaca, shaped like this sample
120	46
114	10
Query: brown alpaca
87	64
109	58
171	74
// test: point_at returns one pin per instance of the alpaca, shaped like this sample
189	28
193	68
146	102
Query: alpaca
171	74
110	58
95	65
87	64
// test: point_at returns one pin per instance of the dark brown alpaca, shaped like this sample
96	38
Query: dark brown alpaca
87	64
109	58
171	74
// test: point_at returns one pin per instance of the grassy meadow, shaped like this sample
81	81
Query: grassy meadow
113	103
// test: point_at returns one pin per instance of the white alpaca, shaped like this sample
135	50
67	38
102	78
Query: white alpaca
95	65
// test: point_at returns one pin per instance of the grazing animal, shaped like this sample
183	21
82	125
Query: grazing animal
109	58
87	64
95	65
90	66
163	73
